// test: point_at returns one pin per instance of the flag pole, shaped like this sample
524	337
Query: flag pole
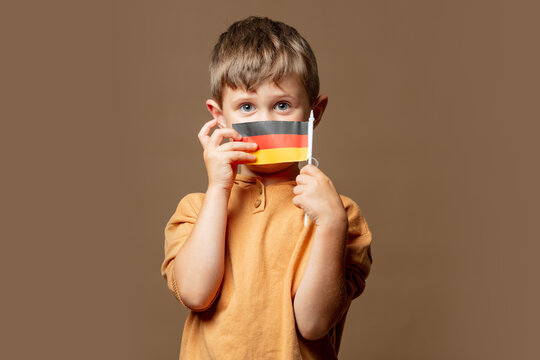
310	149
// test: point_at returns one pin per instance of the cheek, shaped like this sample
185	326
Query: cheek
302	114
294	115
230	118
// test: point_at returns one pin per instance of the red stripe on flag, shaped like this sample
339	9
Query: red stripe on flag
274	141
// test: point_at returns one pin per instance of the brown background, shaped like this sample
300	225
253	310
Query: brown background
431	128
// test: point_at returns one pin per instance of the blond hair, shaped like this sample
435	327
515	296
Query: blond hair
256	49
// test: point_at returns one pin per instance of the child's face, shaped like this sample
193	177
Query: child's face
286	101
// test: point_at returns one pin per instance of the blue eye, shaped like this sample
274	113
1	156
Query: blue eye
282	106
246	107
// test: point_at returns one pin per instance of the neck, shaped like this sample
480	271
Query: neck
287	174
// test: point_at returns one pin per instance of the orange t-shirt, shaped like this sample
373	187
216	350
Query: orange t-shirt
267	250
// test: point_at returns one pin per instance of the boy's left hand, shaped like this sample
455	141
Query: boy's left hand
317	196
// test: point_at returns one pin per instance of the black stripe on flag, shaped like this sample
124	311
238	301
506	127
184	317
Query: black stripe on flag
256	128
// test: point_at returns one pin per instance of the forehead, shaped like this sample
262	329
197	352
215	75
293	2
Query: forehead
289	86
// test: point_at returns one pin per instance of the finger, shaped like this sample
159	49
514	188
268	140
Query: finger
303	179
240	157
237	145
299	189
297	201
311	170
218	136
205	131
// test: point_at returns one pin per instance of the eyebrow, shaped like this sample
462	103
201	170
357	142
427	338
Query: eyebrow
244	98
248	98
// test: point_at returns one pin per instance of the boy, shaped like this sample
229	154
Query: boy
260	284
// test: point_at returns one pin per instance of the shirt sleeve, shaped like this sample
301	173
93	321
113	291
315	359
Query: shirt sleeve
177	231
359	257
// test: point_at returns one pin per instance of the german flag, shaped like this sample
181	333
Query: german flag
278	141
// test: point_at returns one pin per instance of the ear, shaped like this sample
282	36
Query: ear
216	112
318	108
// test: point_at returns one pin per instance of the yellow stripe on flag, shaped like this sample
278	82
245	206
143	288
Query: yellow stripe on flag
279	155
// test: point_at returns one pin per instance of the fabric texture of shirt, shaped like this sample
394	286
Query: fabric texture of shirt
267	250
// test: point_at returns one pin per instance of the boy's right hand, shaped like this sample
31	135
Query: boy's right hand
222	160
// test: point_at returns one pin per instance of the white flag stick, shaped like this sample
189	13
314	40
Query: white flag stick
310	149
